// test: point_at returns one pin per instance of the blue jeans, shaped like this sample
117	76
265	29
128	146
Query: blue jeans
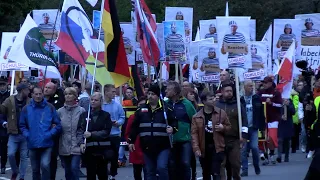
253	145
18	143
156	163
71	166
122	157
40	159
180	161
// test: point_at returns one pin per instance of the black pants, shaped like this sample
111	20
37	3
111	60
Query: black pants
211	163
137	171
54	156
96	166
115	144
314	170
4	150
295	138
310	140
283	147
193	167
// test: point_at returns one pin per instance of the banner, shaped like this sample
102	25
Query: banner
45	20
252	30
312	55
208	29
259	55
310	35
128	39
208	62
285	30
29	49
184	14
234	42
8	38
174	40
194	62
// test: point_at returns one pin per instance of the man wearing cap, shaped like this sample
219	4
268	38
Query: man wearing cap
210	64
4	94
309	31
174	44
234	38
151	125
212	33
12	108
179	16
273	100
286	39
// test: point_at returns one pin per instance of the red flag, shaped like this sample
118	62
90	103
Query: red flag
285	72
146	27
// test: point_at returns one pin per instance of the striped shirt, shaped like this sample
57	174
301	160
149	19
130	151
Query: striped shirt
214	36
210	61
235	38
286	41
310	33
256	59
174	46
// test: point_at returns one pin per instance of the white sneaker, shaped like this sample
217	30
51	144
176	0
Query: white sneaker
310	154
303	149
272	159
262	157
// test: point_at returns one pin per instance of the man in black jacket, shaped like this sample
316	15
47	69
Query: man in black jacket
151	125
256	121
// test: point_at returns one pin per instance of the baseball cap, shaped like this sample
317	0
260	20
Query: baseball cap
212	26
308	20
253	46
232	23
179	13
22	86
3	80
45	15
267	79
288	26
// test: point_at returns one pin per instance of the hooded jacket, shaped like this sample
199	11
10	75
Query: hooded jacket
295	100
230	107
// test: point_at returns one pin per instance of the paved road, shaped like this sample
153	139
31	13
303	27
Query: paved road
294	170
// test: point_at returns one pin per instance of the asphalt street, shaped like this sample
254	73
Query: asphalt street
293	170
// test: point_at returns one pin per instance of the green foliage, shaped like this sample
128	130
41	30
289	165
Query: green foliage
12	13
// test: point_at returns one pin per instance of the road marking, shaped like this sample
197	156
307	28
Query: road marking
3	178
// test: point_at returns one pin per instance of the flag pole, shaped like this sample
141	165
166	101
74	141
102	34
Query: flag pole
155	69
54	28
95	67
13	76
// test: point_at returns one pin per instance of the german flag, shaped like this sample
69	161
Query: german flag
115	54
135	81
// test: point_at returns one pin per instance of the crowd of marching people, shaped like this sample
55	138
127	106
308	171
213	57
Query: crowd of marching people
173	126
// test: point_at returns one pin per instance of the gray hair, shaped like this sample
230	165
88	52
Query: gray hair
99	95
246	82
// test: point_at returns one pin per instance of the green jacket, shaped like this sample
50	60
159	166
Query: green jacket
183	111
295	100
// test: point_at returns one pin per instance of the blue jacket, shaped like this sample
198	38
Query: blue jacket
39	123
117	114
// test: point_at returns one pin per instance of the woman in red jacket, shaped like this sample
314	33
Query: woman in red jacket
136	157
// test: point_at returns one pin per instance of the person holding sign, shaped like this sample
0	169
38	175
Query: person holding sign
286	39
309	31
212	33
235	45
210	64
179	16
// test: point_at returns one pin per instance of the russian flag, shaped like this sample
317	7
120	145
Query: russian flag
77	37
146	27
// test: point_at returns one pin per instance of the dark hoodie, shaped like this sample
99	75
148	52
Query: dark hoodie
230	107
